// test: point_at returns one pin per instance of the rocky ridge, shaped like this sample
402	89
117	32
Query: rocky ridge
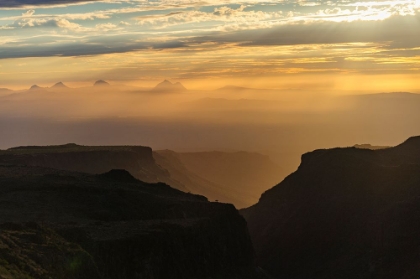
345	213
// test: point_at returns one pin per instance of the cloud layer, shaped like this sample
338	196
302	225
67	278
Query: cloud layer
193	39
22	3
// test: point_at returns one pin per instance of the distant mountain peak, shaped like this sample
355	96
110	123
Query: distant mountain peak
59	85
166	85
180	86
35	87
101	83
5	90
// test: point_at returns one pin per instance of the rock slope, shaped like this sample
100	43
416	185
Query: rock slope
61	224
138	160
345	213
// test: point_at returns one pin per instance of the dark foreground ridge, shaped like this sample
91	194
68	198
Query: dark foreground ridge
61	224
345	213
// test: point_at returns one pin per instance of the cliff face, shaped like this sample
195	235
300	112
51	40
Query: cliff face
138	160
345	213
114	226
226	177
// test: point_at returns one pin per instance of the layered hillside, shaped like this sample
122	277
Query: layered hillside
232	177
345	213
61	224
138	160
228	177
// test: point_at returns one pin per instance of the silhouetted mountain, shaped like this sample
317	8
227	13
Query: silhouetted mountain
59	85
345	213
60	224
138	160
5	91
233	177
101	83
35	87
167	86
229	177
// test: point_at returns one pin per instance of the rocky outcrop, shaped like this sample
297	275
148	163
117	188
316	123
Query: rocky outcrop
345	213
114	226
32	251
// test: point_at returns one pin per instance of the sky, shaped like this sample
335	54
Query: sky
338	46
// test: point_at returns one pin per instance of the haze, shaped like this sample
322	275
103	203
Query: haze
279	78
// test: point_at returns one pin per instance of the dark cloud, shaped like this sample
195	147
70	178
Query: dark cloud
398	34
81	49
21	3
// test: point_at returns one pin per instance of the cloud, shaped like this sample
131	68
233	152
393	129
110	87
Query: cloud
28	13
106	26
124	23
229	27
23	3
47	22
226	11
86	47
397	31
226	15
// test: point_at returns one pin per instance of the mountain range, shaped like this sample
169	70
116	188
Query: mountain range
229	177
349	212
164	86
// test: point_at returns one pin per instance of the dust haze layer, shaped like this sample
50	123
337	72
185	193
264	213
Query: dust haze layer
279	123
233	177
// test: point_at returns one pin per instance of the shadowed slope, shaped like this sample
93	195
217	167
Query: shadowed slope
345	213
125	228
138	160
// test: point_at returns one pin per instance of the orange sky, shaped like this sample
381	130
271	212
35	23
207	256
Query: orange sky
331	46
